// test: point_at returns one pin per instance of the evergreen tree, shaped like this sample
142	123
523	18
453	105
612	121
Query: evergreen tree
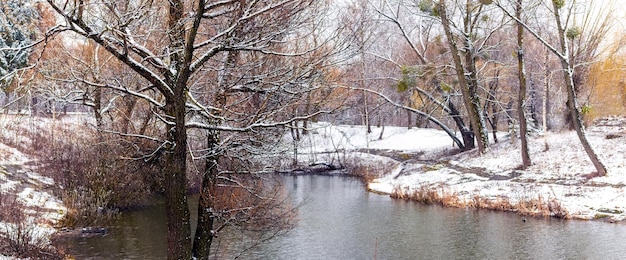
17	30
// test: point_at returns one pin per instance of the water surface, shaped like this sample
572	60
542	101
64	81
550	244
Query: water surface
340	220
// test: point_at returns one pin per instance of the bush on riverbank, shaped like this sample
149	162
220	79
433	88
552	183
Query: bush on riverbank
367	171
20	237
93	172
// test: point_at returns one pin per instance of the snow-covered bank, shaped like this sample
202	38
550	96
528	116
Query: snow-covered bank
19	183
28	208
560	171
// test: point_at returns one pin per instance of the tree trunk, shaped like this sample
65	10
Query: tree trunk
204	234
409	122
97	108
176	208
545	106
204	230
491	103
468	83
297	130
366	115
307	110
466	132
572	101
521	99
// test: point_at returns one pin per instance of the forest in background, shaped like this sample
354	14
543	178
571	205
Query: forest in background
191	94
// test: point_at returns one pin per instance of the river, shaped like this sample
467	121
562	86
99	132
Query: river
340	220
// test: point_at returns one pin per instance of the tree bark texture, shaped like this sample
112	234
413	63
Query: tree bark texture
204	234
176	207
521	99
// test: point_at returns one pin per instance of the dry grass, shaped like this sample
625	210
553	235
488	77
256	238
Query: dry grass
367	172
534	207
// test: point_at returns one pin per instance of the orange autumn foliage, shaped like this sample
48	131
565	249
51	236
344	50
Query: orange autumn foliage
608	85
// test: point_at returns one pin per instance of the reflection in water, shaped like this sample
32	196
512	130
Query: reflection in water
140	234
339	220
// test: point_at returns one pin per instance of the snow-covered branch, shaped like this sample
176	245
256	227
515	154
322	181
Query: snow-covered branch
255	125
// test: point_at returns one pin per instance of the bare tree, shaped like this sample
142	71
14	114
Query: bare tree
224	67
421	75
567	65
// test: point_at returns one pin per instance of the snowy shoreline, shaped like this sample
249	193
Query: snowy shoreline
31	209
560	172
411	160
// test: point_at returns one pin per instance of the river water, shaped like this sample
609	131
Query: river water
340	220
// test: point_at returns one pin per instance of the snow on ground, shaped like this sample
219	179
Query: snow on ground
560	169
42	210
19	179
326	137
10	155
350	144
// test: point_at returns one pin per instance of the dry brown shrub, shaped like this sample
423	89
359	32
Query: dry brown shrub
540	207
399	193
427	195
93	172
23	239
430	195
367	172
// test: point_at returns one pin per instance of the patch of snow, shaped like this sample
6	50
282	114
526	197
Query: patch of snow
11	156
42	179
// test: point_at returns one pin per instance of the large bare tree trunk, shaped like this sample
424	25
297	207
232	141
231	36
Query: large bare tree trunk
521	100
177	210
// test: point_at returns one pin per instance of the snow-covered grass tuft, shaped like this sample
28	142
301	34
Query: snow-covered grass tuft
442	195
